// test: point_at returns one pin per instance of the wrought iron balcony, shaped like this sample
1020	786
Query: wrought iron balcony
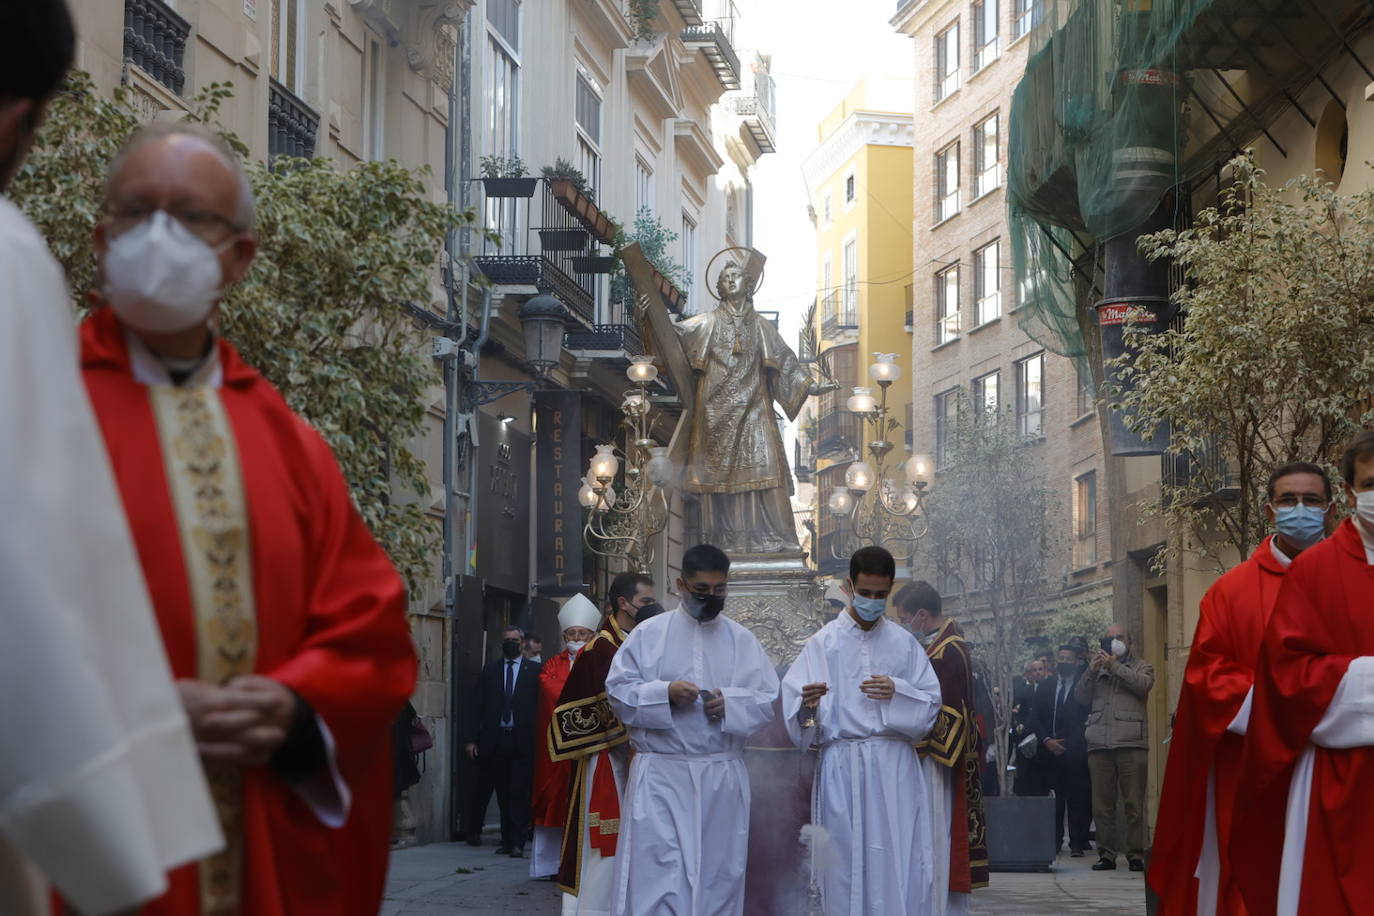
834	325
155	41
837	430
755	107
1204	479
803	462
689	10
716	38
291	124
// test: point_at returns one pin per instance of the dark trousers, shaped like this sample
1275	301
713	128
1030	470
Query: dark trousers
511	776
1073	799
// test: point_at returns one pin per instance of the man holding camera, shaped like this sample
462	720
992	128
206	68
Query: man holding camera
1115	689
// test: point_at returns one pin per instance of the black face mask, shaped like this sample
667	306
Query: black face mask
510	648
1067	669
645	611
704	607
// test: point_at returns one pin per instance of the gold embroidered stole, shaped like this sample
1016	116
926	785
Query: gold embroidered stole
206	484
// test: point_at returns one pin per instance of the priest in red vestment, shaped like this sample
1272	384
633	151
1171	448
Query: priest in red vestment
283	619
952	754
579	619
1194	822
586	734
1306	796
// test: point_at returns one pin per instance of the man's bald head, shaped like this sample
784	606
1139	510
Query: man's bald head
196	147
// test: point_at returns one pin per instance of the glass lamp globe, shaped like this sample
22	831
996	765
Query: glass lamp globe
859	476
604	463
910	500
862	401
885	369
587	496
660	467
642	370
919	469
840	502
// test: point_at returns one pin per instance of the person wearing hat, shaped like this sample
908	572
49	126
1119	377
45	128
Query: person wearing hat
1060	721
579	618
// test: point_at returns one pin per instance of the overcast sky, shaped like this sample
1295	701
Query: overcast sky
820	49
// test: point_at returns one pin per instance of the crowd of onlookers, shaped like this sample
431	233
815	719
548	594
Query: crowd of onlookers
1078	732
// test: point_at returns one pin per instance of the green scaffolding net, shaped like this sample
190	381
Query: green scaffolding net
1123	101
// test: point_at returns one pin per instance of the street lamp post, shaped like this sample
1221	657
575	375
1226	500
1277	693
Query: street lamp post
623	525
871	508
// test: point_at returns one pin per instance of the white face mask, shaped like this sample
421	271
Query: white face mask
1364	508
160	278
1118	648
576	645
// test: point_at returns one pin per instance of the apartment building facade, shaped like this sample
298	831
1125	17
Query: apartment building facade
969	350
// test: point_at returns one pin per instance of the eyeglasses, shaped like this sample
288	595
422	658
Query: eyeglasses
1288	500
211	228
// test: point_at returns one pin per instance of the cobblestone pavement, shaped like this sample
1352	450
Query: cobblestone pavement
454	878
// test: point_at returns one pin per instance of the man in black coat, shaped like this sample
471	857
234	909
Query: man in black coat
1031	778
1059	721
501	741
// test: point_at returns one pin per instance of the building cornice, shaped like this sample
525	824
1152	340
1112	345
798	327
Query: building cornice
859	130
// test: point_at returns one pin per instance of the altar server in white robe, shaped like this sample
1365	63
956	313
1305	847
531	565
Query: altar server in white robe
691	686
864	690
101	791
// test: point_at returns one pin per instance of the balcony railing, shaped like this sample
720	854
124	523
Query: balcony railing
155	41
715	36
1206	477
617	337
291	124
755	106
689	10
837	430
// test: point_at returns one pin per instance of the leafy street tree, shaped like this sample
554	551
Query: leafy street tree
322	313
1272	362
992	542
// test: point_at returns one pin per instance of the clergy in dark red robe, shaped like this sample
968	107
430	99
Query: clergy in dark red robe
952	754
586	734
282	618
1299	838
579	619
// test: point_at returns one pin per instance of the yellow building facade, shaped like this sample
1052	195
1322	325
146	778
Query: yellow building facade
858	183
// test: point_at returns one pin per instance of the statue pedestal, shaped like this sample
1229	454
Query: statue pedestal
777	597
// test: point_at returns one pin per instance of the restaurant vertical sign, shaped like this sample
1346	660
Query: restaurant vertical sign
558	459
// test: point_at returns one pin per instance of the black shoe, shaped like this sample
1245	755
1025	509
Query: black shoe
1136	864
503	850
1105	864
518	852
1076	854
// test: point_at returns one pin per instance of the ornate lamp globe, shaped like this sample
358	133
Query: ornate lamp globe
587	496
920	470
840	502
660	467
859	477
862	401
604	463
542	319
642	370
885	370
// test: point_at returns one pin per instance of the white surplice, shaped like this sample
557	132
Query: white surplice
870	793
101	789
684	821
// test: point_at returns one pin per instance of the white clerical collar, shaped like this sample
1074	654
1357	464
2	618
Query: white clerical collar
150	369
1284	559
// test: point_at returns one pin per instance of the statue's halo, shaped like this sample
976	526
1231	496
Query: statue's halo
751	261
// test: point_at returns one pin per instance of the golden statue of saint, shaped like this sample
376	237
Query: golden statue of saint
737	478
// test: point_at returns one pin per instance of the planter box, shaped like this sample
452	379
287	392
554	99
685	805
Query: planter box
594	264
582	208
563	239
670	293
1021	834
510	187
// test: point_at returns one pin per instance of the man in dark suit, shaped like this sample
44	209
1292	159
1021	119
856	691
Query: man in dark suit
1030	770
501	741
1059	722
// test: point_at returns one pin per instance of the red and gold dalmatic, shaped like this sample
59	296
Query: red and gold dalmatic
584	731
257	562
1220	672
954	742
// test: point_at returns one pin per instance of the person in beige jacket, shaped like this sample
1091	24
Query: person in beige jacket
1115	689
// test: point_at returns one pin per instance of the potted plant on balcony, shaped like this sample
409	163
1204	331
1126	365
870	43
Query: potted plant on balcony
569	186
653	238
505	176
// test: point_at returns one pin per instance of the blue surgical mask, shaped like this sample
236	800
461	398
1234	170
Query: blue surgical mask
870	609
1303	525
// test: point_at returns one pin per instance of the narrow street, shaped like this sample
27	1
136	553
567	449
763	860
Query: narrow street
453	878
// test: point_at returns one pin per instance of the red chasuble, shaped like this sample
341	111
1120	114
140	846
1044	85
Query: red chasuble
1323	619
328	620
550	801
583	729
955	742
1220	672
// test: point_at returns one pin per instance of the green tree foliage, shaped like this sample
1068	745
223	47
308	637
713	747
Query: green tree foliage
991	543
654	240
1272	362
321	314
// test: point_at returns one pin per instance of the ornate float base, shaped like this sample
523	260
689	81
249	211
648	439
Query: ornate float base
777	597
